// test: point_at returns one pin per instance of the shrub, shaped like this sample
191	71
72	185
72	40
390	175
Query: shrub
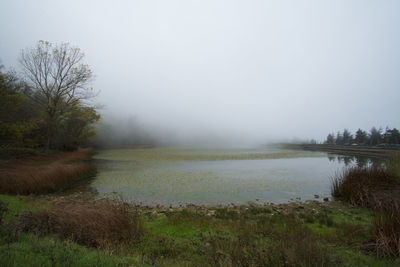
366	187
94	224
7	153
377	188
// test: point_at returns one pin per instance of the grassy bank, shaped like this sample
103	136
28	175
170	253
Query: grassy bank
67	231
44	174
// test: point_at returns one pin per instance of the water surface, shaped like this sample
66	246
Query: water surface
176	176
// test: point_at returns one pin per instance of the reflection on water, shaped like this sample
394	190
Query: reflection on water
359	161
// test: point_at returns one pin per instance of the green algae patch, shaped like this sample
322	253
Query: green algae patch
178	176
195	154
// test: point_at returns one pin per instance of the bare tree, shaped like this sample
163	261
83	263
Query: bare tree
58	79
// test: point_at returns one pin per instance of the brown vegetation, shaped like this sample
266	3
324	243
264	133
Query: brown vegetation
94	224
43	174
378	189
371	187
387	233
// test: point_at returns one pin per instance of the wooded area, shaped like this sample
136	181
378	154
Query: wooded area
45	106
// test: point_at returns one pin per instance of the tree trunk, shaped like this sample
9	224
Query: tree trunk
47	145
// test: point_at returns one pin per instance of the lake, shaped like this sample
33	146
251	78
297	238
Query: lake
181	176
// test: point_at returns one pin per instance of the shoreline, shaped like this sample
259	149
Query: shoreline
368	151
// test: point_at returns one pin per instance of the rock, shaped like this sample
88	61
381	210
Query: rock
154	214
210	213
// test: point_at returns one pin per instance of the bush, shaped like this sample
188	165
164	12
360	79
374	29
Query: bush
96	224
376	188
7	153
366	187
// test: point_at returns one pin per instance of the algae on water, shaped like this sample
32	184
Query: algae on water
178	176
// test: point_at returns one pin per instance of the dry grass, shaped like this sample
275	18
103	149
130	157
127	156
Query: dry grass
386	227
94	224
371	187
45	173
378	189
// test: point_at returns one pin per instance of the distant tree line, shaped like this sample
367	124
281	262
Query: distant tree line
45	106
376	136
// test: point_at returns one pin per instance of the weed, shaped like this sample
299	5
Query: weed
288	244
226	213
377	188
386	227
3	210
48	174
95	224
366	187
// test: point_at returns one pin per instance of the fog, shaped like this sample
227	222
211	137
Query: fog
226	71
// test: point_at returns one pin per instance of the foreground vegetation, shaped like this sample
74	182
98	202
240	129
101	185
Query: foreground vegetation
82	232
377	188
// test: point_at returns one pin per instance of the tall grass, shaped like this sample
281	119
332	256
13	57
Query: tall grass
44	174
364	186
94	224
289	243
386	228
377	188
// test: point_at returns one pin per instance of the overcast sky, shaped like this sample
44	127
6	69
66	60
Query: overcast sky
257	70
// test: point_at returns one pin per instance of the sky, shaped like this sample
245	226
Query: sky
254	71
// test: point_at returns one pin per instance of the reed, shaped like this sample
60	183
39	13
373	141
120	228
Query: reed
370	187
44	174
94	224
377	188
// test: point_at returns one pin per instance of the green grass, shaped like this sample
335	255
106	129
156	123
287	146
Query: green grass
30	250
24	249
335	234
19	204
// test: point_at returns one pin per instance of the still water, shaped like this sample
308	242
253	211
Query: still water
174	176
